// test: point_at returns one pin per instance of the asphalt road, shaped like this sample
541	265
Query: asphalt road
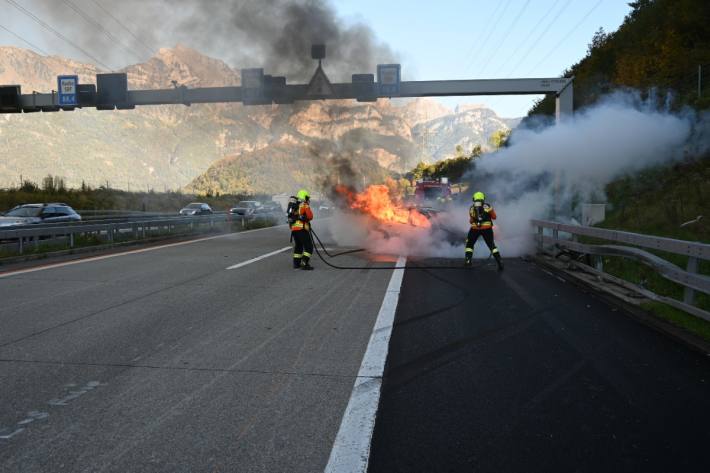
521	371
165	361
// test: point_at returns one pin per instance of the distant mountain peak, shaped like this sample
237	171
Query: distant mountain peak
461	108
182	64
36	72
423	109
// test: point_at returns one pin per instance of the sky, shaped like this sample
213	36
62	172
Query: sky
487	39
446	39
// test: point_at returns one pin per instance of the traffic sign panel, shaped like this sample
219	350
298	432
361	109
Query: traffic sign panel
66	87
388	78
320	85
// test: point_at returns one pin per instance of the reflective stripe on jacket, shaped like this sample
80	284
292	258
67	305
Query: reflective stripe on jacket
481	217
305	215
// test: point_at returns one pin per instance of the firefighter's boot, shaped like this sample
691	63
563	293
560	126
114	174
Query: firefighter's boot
305	264
499	261
296	263
468	261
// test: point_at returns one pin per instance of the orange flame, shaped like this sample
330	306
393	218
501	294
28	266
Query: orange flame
377	202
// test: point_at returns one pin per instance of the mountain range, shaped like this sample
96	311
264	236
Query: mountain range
221	147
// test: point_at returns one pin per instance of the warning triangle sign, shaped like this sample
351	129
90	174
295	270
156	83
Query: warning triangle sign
320	85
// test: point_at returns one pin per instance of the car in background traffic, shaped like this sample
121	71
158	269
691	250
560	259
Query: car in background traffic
246	208
28	214
196	208
271	207
322	207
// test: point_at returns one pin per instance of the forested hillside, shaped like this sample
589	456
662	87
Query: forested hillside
657	50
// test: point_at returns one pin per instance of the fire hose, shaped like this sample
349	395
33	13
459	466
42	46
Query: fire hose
313	235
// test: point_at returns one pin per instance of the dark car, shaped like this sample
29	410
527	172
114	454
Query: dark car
269	206
196	208
246	208
27	214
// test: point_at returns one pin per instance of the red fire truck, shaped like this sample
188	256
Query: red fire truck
432	192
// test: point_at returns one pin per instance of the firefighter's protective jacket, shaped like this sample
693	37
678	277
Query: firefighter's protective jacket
481	217
305	215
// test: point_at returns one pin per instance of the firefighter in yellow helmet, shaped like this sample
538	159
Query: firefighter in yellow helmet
299	216
481	216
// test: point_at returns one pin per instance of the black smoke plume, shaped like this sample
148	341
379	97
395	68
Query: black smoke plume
273	34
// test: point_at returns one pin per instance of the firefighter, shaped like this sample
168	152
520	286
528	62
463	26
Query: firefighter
481	216
300	215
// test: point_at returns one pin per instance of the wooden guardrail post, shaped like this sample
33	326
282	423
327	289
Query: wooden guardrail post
688	292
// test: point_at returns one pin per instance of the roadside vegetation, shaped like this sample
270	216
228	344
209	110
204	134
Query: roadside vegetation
453	168
52	189
657	51
664	201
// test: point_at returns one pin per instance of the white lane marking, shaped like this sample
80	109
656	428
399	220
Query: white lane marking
351	449
132	252
9	435
258	258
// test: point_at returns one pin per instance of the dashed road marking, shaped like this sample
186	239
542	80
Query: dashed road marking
351	449
124	253
6	433
258	258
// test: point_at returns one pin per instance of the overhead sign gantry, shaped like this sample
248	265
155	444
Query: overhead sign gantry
111	90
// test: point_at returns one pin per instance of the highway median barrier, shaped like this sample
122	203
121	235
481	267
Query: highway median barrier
28	240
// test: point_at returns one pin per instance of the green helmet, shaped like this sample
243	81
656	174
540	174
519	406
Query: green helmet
303	194
479	196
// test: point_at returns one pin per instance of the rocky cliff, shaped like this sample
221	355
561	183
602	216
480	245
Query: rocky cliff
169	147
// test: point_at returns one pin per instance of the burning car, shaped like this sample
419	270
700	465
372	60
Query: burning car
377	202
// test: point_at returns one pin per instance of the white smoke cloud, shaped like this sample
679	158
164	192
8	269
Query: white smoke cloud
543	172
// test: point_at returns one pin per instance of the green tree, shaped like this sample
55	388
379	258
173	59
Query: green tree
459	151
499	139
48	184
476	152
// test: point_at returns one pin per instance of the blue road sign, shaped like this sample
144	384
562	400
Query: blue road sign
67	90
388	78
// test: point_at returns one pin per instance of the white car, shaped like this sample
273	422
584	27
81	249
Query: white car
28	214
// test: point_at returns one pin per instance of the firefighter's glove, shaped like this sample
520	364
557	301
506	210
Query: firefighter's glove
487	207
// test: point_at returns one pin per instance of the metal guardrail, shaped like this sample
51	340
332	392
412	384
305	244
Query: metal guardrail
110	231
688	278
108	219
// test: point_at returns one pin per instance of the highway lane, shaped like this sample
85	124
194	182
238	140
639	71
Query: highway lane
164	360
520	371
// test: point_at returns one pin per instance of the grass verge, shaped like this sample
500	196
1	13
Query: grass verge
679	318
